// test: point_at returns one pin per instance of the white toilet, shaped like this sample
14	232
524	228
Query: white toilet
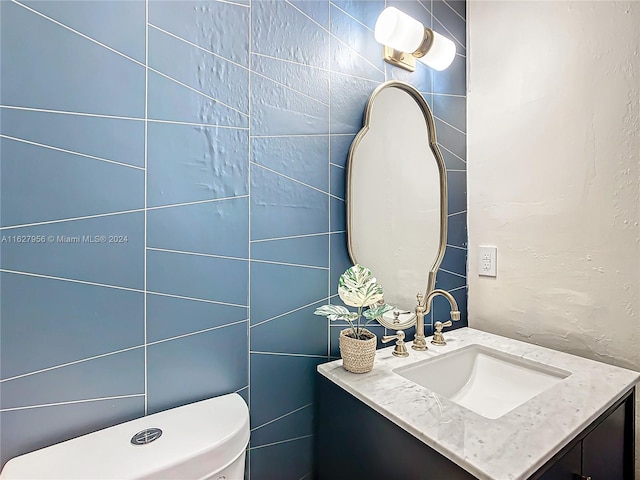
203	440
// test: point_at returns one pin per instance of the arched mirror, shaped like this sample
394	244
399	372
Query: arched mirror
397	198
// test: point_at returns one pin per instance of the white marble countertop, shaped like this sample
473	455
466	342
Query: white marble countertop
513	446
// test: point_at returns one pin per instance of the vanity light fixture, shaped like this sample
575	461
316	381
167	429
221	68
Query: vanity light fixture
405	39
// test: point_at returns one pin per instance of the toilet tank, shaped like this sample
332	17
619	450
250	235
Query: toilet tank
195	441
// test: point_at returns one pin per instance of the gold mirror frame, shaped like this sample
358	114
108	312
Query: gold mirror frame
431	132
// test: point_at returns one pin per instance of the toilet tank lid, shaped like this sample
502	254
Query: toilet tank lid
200	438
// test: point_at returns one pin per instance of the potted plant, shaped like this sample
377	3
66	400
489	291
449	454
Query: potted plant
357	288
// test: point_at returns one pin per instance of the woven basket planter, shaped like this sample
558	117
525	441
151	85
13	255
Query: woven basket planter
358	355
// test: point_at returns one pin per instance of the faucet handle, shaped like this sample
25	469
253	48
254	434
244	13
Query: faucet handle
400	349
438	338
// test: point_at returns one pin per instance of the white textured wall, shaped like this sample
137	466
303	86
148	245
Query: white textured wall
554	174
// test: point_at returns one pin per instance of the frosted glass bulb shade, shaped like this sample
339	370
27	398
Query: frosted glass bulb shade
441	53
398	30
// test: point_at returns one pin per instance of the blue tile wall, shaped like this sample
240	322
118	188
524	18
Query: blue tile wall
172	206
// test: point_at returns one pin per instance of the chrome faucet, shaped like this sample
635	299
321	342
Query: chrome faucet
424	307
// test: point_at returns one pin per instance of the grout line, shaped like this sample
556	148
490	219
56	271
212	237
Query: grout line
452	273
68	364
455	170
79	33
64	150
249	154
335	164
243	5
64	220
195	90
454	154
197	46
455	95
350	16
280	442
296	181
457	213
64	112
146	179
204	330
425	7
328	323
183	297
281	417
289	88
454	11
193	124
289	264
72	402
84	282
335	36
292	135
197	254
448	124
197	202
290	237
290	311
456	246
241	389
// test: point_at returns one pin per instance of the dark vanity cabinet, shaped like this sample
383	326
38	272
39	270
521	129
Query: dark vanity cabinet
355	442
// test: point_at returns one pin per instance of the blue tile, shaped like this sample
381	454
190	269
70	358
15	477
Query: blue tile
354	50
220	79
335	330
282	208
217	228
220	27
280	384
277	289
40	184
457	231
452	110
302	158
110	376
457	190
68	322
340	260
107	250
108	138
448	281
340	145
280	30
188	163
196	367
96	19
459	6
453	140
420	10
171	101
338	179
279	110
303	78
316	9
284	461
421	79
244	393
451	161
197	276
36	71
349	96
455	260
313	251
294	425
449	23
338	215
452	80
309	330
365	12
169	317
30	429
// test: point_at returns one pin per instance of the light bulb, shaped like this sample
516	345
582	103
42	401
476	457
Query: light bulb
441	53
399	31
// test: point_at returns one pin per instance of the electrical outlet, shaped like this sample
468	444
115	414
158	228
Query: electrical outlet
487	261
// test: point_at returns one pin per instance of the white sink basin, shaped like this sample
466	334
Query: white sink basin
486	381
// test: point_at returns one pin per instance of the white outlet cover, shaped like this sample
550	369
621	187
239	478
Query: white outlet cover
487	259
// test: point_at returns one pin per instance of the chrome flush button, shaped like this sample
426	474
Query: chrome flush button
146	436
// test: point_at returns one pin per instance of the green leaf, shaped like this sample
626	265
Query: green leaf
357	287
335	312
378	311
